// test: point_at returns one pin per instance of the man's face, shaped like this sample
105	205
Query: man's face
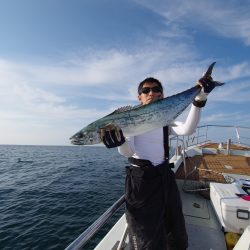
152	95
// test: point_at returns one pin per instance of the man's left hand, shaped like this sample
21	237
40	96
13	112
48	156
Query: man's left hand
112	136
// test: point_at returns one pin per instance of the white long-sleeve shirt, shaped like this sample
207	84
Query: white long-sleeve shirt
149	146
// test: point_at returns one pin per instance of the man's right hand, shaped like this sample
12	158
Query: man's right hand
112	136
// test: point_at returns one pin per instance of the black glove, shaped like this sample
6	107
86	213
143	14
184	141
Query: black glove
112	136
207	85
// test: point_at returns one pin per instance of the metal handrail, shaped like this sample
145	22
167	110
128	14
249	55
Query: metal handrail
223	126
83	238
197	136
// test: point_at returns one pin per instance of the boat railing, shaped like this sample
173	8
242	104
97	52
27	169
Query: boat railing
83	238
205	133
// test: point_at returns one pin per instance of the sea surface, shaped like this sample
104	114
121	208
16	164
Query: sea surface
50	194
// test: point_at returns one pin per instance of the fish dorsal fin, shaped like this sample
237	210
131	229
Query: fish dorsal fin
125	108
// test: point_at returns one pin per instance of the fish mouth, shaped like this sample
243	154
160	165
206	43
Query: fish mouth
76	138
75	142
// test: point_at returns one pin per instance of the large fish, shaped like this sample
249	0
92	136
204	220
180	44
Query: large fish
142	118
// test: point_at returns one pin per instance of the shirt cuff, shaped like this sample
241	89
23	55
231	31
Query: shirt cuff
199	104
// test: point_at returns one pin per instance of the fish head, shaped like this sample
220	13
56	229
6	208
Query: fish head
86	136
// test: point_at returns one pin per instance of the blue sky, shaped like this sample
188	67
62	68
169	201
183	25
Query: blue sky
65	63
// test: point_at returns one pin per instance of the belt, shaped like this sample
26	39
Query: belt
140	162
147	164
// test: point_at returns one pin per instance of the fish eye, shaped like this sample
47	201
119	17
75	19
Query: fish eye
79	135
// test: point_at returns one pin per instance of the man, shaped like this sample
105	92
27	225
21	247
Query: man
153	205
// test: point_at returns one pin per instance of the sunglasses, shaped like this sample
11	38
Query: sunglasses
155	89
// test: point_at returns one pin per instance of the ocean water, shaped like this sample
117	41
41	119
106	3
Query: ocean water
51	194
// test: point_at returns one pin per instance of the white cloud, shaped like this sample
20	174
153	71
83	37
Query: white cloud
226	118
33	111
237	92
227	18
230	73
99	67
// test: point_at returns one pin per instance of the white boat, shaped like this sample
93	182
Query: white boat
212	169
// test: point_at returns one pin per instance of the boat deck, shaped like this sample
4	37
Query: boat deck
211	164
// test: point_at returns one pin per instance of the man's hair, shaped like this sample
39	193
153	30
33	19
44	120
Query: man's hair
149	80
